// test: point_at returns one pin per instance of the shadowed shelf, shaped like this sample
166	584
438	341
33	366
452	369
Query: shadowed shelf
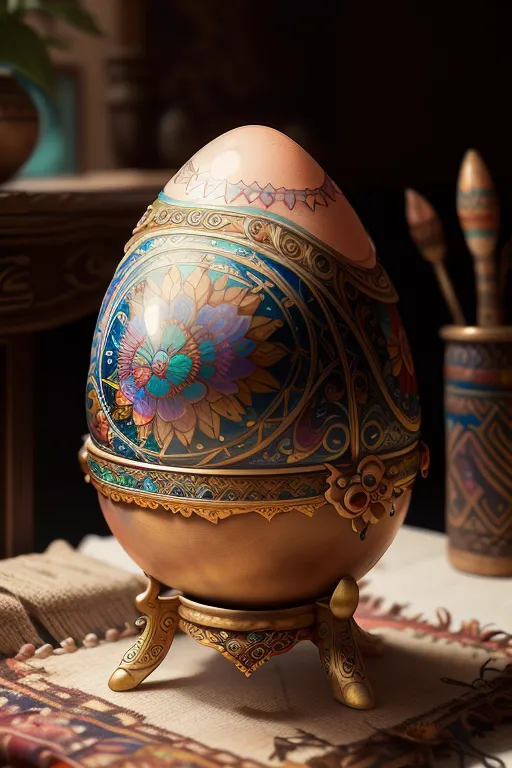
54	269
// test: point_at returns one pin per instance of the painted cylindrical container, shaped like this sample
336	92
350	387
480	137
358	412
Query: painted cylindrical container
478	417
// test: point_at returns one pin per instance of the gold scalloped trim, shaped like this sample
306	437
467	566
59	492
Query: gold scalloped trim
209	510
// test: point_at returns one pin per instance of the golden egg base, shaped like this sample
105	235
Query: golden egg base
278	559
250	638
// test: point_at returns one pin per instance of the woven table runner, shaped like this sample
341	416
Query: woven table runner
62	593
443	687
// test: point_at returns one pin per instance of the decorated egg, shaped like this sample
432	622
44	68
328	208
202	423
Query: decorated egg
251	398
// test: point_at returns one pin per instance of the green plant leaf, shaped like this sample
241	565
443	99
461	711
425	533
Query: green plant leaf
22	50
60	43
14	6
27	5
20	6
73	13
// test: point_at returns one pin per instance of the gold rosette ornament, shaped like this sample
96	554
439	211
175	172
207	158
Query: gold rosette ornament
364	497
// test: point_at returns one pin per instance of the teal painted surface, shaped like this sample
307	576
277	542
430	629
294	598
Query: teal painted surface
56	152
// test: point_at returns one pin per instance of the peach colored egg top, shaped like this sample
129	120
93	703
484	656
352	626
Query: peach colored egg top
261	168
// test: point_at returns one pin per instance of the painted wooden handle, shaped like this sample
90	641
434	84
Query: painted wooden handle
479	216
449	295
427	233
488	309
425	226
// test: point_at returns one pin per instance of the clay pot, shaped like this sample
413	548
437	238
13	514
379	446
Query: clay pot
19	126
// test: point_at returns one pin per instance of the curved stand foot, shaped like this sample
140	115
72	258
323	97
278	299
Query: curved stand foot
160	623
336	637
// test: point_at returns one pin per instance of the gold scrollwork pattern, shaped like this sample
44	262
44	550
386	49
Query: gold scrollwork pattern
336	637
324	378
212	497
159	623
326	347
187	486
248	651
248	639
363	496
317	258
211	511
341	660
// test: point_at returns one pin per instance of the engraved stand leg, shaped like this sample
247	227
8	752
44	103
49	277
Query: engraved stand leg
160	623
336	638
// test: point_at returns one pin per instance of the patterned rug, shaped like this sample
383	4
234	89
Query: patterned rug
444	698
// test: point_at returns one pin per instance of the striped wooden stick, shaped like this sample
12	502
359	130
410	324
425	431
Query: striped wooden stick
479	216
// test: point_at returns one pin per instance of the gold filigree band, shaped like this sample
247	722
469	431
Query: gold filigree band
209	510
211	496
258	229
362	496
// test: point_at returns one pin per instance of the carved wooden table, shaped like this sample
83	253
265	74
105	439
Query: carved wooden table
60	242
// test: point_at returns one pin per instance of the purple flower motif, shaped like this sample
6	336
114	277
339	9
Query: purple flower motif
190	354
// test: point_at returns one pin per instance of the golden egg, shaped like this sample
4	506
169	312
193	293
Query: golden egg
253	411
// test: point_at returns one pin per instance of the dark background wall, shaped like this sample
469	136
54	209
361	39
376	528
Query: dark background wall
385	96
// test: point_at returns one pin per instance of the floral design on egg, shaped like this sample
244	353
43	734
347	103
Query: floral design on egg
400	364
363	497
189	355
98	421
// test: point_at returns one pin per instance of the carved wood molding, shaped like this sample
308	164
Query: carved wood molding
59	249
